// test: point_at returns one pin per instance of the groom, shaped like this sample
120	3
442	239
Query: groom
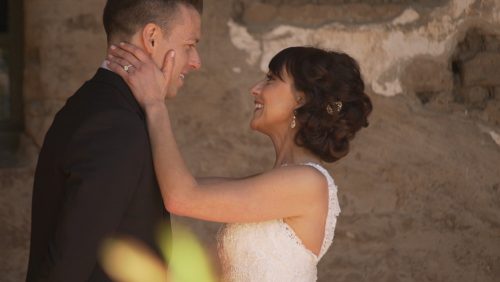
95	175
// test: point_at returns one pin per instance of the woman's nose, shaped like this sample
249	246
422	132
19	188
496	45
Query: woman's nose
256	89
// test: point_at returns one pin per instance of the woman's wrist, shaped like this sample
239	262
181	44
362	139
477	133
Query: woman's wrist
155	108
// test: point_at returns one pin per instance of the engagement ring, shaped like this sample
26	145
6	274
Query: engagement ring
127	67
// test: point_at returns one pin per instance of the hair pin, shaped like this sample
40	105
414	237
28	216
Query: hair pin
338	107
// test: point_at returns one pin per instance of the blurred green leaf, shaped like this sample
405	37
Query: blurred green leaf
188	261
127	260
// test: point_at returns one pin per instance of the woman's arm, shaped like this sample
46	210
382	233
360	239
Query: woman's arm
285	192
213	180
280	193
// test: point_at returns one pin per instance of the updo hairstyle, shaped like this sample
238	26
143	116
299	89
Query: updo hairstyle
335	105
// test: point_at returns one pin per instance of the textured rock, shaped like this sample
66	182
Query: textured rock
64	46
473	43
260	15
15	216
496	91
492	43
492	112
475	97
383	48
482	70
475	69
428	75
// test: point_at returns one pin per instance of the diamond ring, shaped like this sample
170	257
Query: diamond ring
127	67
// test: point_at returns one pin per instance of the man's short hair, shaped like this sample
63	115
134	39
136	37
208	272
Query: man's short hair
125	17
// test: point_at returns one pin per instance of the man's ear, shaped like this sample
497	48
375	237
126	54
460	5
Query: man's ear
150	35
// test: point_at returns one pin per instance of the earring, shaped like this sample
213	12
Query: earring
294	123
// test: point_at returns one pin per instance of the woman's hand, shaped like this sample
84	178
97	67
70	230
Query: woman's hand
148	83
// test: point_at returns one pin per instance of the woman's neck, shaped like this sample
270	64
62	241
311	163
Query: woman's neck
288	153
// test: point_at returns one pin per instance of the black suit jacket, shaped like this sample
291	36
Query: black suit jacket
94	178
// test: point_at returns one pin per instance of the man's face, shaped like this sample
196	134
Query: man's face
183	36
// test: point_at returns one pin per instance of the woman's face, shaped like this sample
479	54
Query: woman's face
275	101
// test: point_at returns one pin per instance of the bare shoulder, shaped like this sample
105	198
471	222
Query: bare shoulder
306	172
305	178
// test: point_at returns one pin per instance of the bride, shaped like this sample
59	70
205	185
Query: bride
280	222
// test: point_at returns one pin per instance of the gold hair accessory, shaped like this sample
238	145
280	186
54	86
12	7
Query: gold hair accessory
338	107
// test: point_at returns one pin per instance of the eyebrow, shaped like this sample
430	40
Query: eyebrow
196	40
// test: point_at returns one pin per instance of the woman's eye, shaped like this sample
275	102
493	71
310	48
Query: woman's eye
269	77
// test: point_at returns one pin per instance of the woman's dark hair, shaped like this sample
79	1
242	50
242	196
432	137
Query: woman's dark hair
124	17
326	78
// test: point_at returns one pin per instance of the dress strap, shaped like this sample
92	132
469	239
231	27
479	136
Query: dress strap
333	209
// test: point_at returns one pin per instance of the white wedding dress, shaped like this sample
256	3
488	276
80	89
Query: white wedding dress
270	251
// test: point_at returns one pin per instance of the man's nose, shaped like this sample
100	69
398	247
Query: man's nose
195	61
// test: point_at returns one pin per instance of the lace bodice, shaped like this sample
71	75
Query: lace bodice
271	251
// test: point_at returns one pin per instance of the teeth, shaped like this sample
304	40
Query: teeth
182	76
259	106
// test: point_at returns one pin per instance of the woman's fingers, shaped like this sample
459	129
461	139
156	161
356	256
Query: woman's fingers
122	62
168	66
123	54
117	68
137	52
148	83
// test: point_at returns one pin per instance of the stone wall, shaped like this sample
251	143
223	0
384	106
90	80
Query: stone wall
476	69
419	191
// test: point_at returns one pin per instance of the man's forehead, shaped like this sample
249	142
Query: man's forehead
188	23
